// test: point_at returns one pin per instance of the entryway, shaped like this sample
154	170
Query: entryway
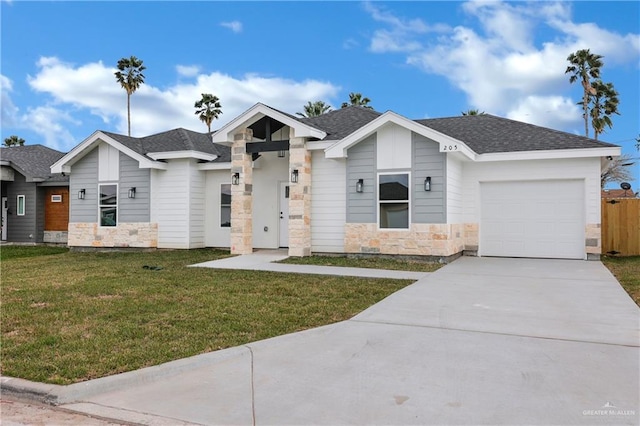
283	240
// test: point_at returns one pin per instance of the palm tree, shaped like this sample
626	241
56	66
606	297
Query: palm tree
356	99
314	109
130	77
473	112
584	66
604	104
617	170
13	140
208	108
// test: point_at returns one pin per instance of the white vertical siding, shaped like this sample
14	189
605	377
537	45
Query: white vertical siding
328	203
393	147
576	168
170	204
454	190
196	205
109	163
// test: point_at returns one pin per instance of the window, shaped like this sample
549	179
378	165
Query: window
225	205
108	205
21	205
393	196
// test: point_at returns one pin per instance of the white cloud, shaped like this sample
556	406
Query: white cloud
92	88
497	63
9	110
187	70
235	26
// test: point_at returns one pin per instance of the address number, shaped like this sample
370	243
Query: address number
453	147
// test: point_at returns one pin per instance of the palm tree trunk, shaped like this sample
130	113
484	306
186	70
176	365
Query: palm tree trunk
129	113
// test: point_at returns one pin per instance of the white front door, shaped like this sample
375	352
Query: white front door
284	215
5	210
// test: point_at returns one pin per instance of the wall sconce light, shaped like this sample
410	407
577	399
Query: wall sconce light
359	185
81	194
281	154
294	176
235	179
132	192
427	183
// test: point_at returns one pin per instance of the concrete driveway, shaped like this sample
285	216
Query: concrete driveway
481	341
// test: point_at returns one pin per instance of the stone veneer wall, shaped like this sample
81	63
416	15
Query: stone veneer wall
143	235
241	232
300	199
593	240
56	237
419	240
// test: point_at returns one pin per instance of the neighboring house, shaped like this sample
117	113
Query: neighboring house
618	193
349	181
35	202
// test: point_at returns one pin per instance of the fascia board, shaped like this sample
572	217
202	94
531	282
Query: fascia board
168	155
64	164
214	166
258	111
550	154
339	149
320	145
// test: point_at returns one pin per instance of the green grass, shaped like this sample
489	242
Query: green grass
72	316
12	252
627	271
366	262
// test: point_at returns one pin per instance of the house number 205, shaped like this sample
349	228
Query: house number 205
449	147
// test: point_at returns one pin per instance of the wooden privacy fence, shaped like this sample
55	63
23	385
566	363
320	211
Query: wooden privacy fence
621	226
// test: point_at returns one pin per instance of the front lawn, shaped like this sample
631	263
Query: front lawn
627	271
366	262
70	316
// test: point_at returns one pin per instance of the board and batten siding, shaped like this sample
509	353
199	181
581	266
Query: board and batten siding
328	203
362	164
133	210
20	228
454	190
428	206
84	175
587	169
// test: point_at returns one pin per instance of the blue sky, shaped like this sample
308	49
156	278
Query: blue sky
419	59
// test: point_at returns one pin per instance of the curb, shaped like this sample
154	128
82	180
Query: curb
30	391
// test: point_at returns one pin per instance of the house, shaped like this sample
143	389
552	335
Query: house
35	202
619	193
350	181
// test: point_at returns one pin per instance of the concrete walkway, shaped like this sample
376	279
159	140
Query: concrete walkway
480	341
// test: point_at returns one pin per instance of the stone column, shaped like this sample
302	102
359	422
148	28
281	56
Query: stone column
241	195
299	198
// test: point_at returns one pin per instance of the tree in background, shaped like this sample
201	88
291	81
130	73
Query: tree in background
130	77
314	109
208	108
617	170
13	140
604	103
473	112
584	67
356	99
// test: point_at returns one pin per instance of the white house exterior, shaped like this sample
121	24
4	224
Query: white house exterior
351	181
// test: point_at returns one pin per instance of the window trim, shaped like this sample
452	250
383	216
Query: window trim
408	201
116	205
220	205
23	211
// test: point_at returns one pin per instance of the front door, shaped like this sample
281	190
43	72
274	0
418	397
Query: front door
284	214
5	210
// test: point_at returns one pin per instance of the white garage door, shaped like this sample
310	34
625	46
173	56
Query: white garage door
532	219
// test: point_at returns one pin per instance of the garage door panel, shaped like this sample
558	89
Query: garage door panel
532	219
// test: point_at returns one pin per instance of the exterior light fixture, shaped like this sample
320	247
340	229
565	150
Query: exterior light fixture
235	178
427	183
294	176
359	185
281	154
81	194
132	192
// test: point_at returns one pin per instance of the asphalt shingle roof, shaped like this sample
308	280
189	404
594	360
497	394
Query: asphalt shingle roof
174	140
34	161
490	134
341	122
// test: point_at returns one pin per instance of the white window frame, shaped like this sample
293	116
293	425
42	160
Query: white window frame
21	212
378	201
220	205
116	205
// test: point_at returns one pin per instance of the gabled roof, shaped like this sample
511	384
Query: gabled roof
33	161
486	134
174	140
342	122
